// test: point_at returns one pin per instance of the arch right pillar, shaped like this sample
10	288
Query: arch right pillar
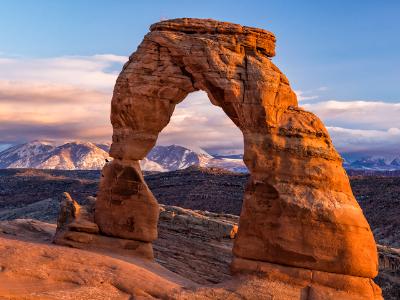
298	207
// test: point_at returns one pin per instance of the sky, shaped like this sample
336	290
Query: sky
59	61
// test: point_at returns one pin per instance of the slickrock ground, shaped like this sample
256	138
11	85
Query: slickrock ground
195	245
44	272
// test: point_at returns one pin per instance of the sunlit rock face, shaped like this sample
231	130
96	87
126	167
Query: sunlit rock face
298	211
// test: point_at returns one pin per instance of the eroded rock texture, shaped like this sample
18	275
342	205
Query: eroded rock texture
298	211
76	228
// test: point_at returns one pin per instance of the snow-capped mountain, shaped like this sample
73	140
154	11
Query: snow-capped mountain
25	155
49	155
84	155
149	165
361	161
175	157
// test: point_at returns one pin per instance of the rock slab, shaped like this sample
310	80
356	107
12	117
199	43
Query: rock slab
76	228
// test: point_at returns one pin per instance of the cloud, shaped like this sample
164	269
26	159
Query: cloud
312	94
198	123
90	72
371	115
303	96
25	93
14	132
57	98
361	125
371	141
60	114
64	98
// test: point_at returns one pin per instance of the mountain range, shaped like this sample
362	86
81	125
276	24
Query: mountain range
89	156
77	155
362	161
50	155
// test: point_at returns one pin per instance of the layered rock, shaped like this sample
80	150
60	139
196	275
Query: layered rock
125	206
76	228
298	211
198	223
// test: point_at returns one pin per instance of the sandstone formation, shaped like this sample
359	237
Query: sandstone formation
298	211
76	228
195	244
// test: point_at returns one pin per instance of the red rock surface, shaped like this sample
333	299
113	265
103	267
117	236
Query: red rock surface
193	244
298	211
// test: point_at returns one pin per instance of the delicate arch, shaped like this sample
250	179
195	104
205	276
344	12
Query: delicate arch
298	208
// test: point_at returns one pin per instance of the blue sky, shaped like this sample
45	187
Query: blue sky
350	46
331	51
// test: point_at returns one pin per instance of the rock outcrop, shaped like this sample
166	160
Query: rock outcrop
198	223
299	210
76	228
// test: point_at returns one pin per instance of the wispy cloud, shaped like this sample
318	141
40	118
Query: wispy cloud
65	98
357	114
90	72
313	94
384	142
198	123
303	96
25	93
356	125
361	125
57	98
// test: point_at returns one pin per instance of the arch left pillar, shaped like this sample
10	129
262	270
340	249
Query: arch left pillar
144	98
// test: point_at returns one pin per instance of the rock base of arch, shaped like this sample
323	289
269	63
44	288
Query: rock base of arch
314	284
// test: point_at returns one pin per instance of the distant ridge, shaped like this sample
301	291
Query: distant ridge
364	162
78	155
49	155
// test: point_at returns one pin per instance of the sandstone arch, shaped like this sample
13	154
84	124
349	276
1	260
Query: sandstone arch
298	211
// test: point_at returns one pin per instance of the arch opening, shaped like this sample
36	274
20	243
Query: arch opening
201	130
